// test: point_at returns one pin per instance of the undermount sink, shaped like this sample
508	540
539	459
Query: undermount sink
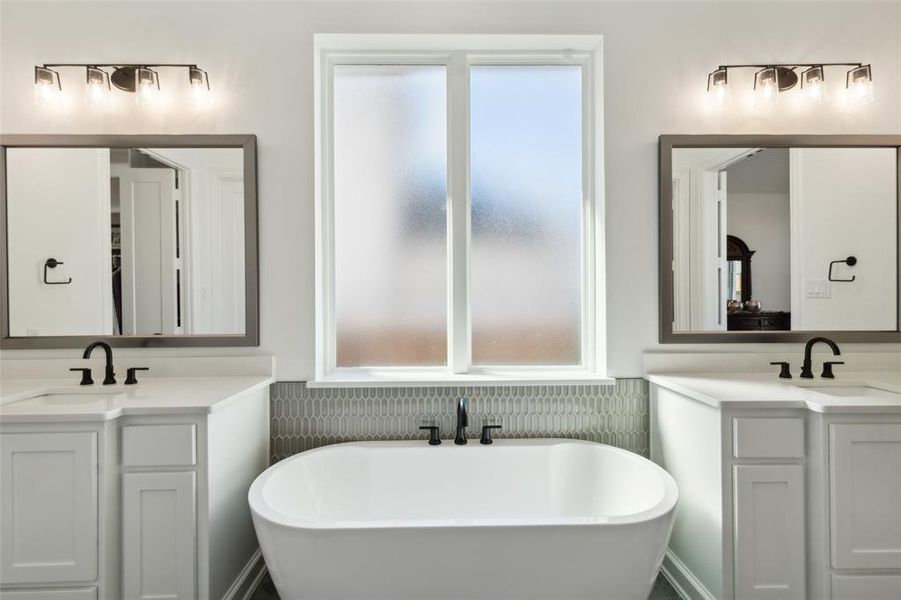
854	391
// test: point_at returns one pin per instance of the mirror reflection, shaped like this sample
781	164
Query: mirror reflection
785	239
125	241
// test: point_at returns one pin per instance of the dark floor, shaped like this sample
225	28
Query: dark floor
662	590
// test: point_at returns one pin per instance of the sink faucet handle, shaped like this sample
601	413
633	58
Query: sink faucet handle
434	434
486	434
784	371
86	378
130	378
827	368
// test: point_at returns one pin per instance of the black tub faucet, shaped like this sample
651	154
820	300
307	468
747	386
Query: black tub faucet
462	421
110	377
807	367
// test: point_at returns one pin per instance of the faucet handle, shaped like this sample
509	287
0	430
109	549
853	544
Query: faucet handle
434	434
785	371
130	378
486	434
86	378
827	368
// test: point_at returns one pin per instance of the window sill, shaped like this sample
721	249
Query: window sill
415	378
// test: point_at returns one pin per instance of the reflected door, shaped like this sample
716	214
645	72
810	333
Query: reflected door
149	301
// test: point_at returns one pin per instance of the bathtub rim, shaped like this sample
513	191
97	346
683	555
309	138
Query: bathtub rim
263	510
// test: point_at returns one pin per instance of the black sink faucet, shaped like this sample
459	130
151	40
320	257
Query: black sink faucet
110	377
807	367
462	421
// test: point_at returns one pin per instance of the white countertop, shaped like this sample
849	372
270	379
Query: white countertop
31	400
766	390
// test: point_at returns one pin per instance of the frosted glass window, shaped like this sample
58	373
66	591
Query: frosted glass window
390	174
526	153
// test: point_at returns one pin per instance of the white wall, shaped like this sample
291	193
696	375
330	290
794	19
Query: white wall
259	56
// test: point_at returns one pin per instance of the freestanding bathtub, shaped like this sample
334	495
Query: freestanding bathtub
516	520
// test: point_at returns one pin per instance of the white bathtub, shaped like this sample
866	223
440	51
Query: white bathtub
516	520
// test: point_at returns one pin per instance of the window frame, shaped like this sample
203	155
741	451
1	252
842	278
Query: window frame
457	53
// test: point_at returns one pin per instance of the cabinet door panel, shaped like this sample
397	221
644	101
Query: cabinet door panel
865	486
48	492
769	532
159	536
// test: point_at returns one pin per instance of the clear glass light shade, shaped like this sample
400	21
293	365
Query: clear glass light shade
200	88
718	89
860	85
47	90
97	89
813	85
148	88
766	87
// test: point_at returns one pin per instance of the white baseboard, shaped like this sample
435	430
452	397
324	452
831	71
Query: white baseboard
248	579
683	580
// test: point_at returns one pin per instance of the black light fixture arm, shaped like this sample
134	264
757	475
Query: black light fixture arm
790	65
121	65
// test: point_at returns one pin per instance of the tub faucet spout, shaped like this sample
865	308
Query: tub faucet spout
462	421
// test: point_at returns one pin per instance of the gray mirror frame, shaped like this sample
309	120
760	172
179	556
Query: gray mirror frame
248	142
665	237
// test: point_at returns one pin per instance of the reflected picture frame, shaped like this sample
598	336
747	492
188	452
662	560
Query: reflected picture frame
666	285
246	142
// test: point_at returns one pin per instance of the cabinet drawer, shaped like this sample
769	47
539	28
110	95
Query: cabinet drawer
768	438
159	445
54	594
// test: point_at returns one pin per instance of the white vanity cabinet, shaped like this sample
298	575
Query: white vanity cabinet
780	503
136	507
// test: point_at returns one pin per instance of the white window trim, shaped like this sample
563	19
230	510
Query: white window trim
457	53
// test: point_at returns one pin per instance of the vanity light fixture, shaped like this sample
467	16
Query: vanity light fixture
766	86
200	87
813	84
718	88
97	88
772	79
47	88
143	80
148	87
859	82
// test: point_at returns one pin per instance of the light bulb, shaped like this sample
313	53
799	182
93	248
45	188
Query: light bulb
859	82
97	89
47	89
148	88
813	84
766	87
718	89
200	88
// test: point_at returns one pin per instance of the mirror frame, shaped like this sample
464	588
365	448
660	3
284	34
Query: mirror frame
248	142
666	145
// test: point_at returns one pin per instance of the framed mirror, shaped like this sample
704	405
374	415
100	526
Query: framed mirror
779	238
138	240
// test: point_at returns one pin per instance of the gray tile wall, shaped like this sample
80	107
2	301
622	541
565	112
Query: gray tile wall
304	418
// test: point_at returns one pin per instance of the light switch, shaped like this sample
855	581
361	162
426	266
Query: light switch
818	288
